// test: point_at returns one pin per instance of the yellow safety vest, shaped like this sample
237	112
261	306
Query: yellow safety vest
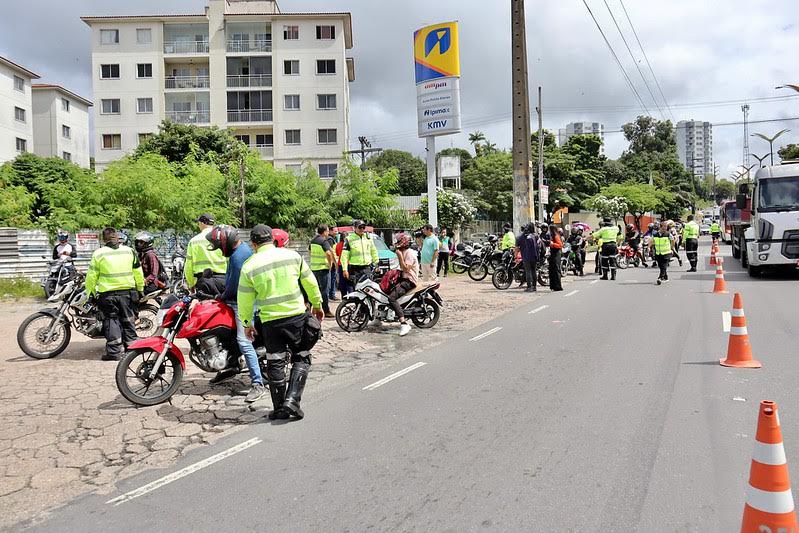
114	270
318	255
662	245
508	241
358	251
270	281
715	228
609	234
690	230
199	257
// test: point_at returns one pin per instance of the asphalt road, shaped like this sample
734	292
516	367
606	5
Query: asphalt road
604	411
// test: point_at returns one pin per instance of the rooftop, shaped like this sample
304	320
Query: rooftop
19	68
62	90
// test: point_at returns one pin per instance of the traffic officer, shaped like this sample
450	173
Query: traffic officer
116	276
322	259
199	258
508	239
715	230
270	280
690	236
608	234
663	246
358	254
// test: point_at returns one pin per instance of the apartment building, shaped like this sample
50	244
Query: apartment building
279	81
695	146
61	124
16	110
581	128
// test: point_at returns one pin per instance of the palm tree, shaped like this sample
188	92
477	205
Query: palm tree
475	138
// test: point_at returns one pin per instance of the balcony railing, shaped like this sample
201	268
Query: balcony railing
185	47
266	150
189	117
249	115
254	46
187	82
254	80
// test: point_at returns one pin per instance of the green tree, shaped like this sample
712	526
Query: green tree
790	152
366	195
16	202
412	171
640	198
491	179
725	190
647	134
176	142
455	210
613	207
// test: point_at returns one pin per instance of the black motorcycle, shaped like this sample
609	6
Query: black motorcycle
59	273
510	270
486	262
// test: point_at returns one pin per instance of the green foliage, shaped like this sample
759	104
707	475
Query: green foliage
641	198
648	134
364	194
454	209
16	202
725	190
16	288
178	142
790	152
412	171
491	179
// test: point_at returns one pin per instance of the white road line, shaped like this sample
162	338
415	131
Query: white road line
393	376
537	310
158	483
726	321
572	293
486	334
593	282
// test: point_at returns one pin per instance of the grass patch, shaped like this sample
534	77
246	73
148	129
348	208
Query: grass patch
16	288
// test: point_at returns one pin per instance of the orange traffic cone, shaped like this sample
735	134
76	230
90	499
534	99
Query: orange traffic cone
713	251
721	286
739	351
769	500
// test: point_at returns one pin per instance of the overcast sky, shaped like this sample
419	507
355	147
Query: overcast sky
701	51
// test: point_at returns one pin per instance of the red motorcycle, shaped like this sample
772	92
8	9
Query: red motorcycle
627	256
152	369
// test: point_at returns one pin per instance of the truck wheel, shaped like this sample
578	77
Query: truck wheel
744	259
736	250
754	272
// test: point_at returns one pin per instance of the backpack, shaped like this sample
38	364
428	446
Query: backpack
390	281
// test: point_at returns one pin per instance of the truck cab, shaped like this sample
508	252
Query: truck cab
772	239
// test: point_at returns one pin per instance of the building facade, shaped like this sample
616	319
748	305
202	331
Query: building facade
279	81
695	146
16	110
582	128
61	124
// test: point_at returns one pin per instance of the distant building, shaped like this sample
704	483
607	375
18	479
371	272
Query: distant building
582	128
695	146
61	124
16	110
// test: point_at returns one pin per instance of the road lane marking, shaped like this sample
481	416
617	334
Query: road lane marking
593	282
393	376
484	335
158	483
572	293
537	310
726	321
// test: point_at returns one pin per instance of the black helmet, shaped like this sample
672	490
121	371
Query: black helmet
630	227
506	226
492	239
357	222
223	238
63	236
143	241
261	234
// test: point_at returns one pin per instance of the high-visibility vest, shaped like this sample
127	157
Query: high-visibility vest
114	270
690	230
199	257
318	255
715	228
662	245
608	234
270	281
508	241
358	251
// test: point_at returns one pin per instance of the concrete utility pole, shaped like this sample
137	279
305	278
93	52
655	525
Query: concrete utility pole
540	110
522	201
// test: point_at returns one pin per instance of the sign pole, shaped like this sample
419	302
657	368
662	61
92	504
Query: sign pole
432	192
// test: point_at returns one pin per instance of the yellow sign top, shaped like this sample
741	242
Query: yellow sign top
436	52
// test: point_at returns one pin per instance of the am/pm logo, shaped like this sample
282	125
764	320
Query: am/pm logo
436	52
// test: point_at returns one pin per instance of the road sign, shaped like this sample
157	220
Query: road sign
436	52
437	79
544	194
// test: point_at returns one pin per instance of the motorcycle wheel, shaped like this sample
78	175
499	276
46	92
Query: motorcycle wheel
352	315
49	287
493	265
459	268
637	262
621	262
147	323
34	330
431	316
134	383
478	271
502	279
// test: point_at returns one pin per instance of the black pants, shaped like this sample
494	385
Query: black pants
663	264
119	320
691	247
530	274
554	270
281	336
443	260
608	256
400	289
357	272
578	261
323	280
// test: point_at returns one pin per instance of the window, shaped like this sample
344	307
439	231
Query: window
144	105
109	72
293	137
109	36
291	67
264	140
144	35
326	101
65	104
19	84
291	102
66	132
325	32
294	169
19	114
243	138
144	70
109	107
328	170
291	33
144	136
326	66
112	141
22	145
66	156
327	136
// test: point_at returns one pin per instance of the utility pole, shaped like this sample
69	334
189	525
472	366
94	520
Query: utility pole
540	111
366	148
522	202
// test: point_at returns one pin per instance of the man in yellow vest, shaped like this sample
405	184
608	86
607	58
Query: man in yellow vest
663	246
270	281
200	259
359	253
608	233
508	239
116	276
715	231
322	259
690	236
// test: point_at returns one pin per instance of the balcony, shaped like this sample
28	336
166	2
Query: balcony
254	80
187	82
249	46
185	47
189	117
249	115
267	151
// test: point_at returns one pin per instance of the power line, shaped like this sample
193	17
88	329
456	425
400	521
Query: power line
626	77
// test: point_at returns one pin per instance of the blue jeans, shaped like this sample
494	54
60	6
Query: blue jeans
332	282
322	278
247	349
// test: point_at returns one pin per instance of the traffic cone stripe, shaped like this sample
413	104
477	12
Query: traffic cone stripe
737	313
739	331
769	454
769	502
772	478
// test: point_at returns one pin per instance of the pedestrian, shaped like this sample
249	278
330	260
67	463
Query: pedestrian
508	239
715	230
555	250
154	274
202	262
444	241
115	276
608	234
528	245
409	279
690	235
663	246
430	252
226	239
322	261
343	285
674	238
576	242
358	255
271	280
332	240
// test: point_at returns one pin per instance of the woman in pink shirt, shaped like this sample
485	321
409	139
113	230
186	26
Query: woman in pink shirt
409	278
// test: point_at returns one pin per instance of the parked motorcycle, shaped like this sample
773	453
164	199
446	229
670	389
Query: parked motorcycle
464	256
368	302
177	281
46	333
627	257
509	271
151	370
487	261
59	273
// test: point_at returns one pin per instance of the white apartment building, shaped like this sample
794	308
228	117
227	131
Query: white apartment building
695	146
61	124
582	128
16	110
279	81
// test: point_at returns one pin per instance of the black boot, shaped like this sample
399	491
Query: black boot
612	275
277	389
299	373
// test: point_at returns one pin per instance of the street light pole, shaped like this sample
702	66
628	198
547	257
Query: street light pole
770	141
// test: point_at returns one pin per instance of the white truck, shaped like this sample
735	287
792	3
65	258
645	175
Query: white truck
771	240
